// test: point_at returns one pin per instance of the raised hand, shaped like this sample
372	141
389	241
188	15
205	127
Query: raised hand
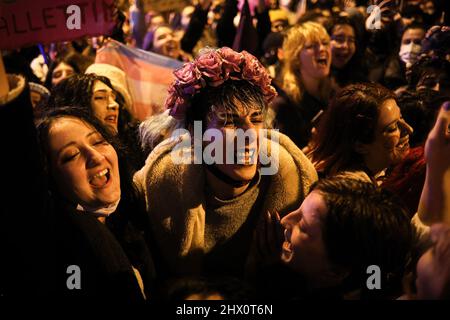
434	205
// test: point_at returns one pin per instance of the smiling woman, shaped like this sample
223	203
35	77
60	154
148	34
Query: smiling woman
98	96
79	208
305	89
343	227
99	226
361	134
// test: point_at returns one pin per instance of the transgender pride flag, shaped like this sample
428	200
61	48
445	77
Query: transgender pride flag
148	75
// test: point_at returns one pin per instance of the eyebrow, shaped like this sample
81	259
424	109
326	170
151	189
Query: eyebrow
73	142
101	90
236	115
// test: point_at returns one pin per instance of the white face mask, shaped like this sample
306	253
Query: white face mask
100	212
409	53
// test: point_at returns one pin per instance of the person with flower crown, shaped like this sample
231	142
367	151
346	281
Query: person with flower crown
203	212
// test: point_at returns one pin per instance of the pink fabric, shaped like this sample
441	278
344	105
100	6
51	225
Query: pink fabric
28	22
148	75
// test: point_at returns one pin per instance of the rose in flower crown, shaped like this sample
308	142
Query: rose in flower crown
212	68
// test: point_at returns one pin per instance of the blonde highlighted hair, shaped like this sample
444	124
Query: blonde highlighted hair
293	44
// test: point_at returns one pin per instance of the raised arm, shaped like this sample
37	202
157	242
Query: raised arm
434	205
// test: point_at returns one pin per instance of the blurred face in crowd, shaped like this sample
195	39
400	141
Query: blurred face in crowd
35	98
315	59
104	105
413	36
391	143
62	71
304	249
343	45
83	164
166	43
157	20
428	7
411	45
186	15
433	268
279	25
244	164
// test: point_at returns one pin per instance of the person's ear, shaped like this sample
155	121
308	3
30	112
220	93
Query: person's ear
280	54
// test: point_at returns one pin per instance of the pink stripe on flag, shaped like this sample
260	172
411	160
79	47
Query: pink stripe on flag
148	74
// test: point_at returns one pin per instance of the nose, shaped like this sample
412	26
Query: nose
323	46
344	44
405	128
290	218
112	104
94	158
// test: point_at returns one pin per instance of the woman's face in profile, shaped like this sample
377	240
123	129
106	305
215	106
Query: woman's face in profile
83	164
304	248
104	104
391	143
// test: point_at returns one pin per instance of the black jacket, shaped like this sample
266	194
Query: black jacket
41	237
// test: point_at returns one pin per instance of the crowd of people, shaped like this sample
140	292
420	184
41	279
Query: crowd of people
358	117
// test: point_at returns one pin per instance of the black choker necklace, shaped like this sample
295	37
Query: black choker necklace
223	177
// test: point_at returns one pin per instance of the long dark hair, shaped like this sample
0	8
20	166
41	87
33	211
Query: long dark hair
352	117
130	205
77	91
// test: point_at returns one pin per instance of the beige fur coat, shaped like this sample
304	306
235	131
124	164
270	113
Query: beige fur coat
175	198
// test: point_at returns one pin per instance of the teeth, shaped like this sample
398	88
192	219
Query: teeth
100	174
246	156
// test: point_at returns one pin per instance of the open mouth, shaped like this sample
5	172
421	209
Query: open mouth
100	179
245	157
111	119
403	145
172	47
323	62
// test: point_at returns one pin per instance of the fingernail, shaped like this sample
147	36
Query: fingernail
446	106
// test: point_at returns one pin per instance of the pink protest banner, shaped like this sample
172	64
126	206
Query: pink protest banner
148	75
27	22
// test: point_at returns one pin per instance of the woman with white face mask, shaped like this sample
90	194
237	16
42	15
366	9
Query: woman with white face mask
411	47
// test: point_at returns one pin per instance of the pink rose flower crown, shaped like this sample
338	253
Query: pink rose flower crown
212	68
